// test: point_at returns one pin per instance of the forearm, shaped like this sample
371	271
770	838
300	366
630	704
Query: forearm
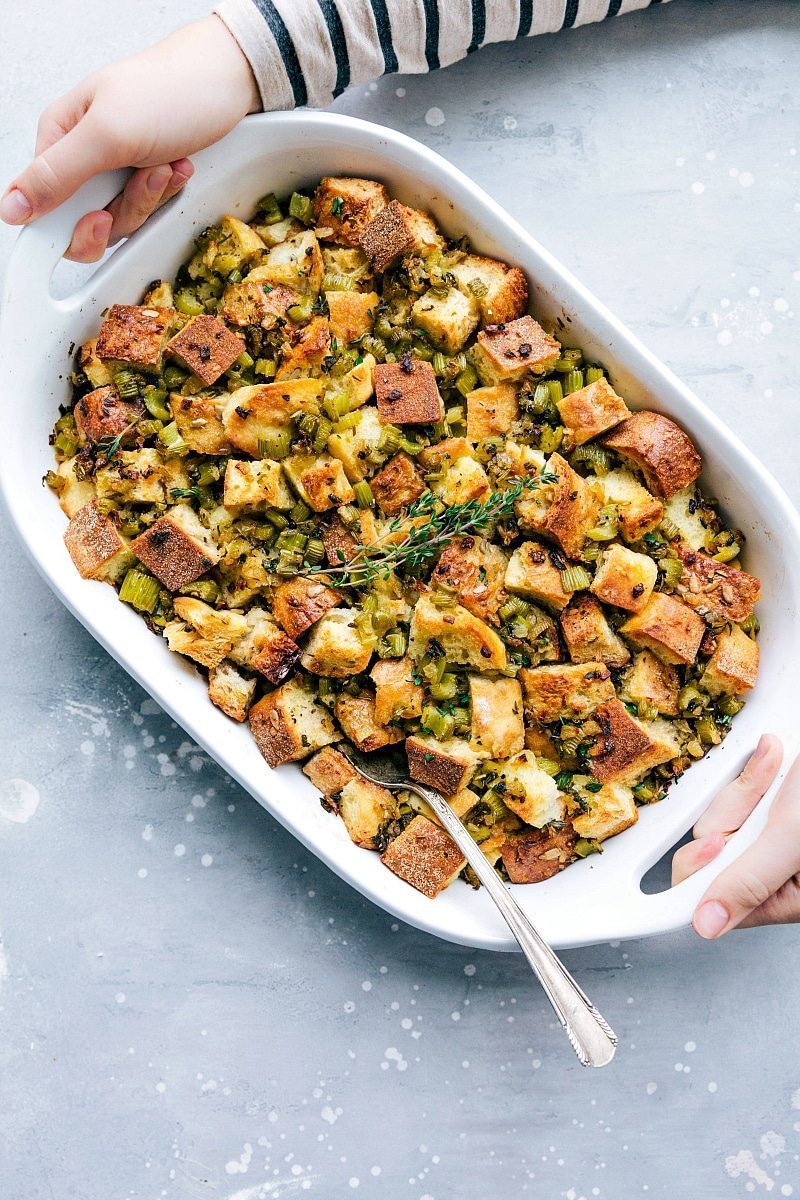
310	51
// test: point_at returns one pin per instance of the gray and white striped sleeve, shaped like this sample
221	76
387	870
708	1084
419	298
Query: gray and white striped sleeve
307	52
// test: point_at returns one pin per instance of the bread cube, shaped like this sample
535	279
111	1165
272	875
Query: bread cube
199	422
639	512
203	633
538	854
103	413
132	477
649	680
351	314
319	480
506	352
335	647
291	723
397	485
465	480
626	748
465	638
365	807
565	510
278	231
501	291
94	544
96	371
498	729
398	230
299	602
733	666
447	319
407	393
491	411
344	207
396	693
357	717
295	264
135	335
239	241
256	301
304	353
531	573
261	410
329	771
358	449
589	636
73	491
424	856
446	765
606	812
343	260
668	627
206	347
341	544
659	448
624	579
475	569
565	691
357	383
255	485
264	647
177	548
716	587
687	514
530	792
591	411
230	691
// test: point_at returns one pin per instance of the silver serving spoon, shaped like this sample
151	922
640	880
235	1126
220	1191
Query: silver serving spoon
592	1039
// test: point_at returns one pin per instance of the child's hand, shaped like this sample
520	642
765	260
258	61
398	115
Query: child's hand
148	112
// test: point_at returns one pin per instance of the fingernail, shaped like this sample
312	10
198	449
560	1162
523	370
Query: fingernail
710	919
15	208
101	226
761	748
157	180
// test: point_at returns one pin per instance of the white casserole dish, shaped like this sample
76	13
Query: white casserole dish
594	900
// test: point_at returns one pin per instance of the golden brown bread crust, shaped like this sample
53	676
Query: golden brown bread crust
717	587
206	347
356	715
491	410
397	485
103	413
668	627
475	570
276	657
568	691
733	666
345	206
623	751
199	421
507	351
533	573
324	483
660	449
256	302
134	334
396	693
329	771
299	602
588	635
653	681
91	539
394	231
306	350
352	314
424	856
591	411
407	393
339	543
442	771
571	512
538	854
506	295
171	554
276	739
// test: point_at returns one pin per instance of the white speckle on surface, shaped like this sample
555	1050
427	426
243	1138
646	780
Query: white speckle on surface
772	1144
87	748
149	708
651	1088
19	800
349	1006
142	872
780	305
787	1189
366	986
766	328
392	1054
469	969
206	860
354	1181
400	92
161	1087
147	833
434	116
698	188
712	1087
724	337
679	162
743	1163
746	179
179	850
754	292
509	123
120	997
455	1016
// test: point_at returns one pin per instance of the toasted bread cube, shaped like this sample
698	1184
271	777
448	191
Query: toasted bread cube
335	646
341	544
465	480
357	717
365	807
397	485
589	636
448	320
733	666
498	728
565	510
264	647
329	771
501	291
659	448
649	680
295	264
96	371
103	413
134	334
238	240
565	691
298	603
255	485
230	691
132	477
424	856
73	492
475	569
206	347
304	353
291	723
259	411
343	260
344	207
176	548
530	792
447	766
358	449
159	294
716	587
256	301
608	811
396	693
491	411
357	383
506	352
465	638
684	511
351	314
277	232
319	480
668	627
203	633
398	230
523	461
591	411
407	393
199	421
639	512
538	854
532	573
94	544
624	579
626	749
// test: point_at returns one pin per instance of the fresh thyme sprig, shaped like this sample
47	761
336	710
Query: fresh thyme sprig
109	446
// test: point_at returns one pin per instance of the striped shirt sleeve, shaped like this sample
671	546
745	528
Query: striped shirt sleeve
307	52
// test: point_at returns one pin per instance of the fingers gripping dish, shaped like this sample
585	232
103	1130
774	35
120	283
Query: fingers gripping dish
339	466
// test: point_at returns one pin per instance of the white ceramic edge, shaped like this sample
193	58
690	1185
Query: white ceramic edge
620	910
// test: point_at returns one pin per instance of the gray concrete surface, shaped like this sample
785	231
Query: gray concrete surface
190	1005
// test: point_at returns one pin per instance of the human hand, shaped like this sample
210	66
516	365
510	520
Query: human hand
148	112
762	886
